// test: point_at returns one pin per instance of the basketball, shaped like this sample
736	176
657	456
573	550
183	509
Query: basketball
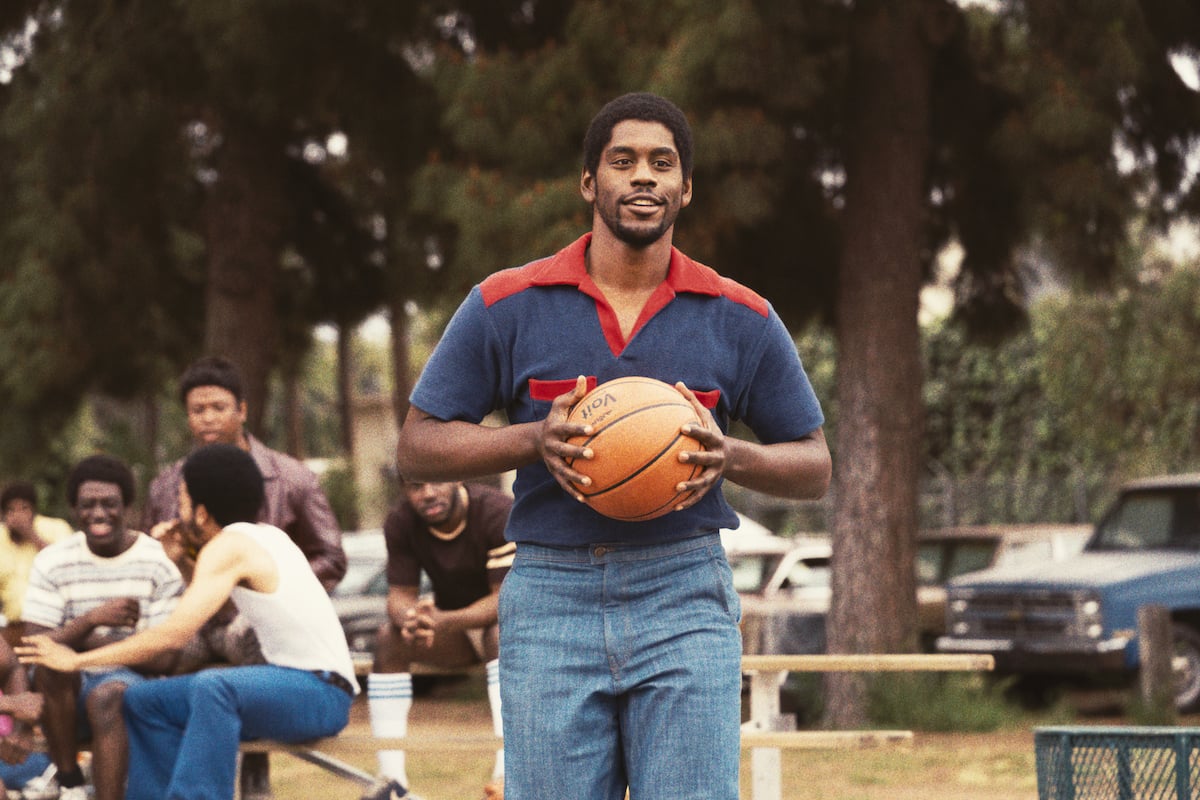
635	444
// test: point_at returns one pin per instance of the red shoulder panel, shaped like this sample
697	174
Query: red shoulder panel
506	283
744	296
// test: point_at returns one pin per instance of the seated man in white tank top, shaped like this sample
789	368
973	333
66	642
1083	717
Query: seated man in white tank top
184	731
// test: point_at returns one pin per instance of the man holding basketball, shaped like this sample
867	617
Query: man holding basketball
620	656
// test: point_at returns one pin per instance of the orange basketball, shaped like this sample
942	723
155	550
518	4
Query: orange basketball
635	444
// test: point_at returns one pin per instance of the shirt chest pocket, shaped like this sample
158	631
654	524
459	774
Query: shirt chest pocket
543	392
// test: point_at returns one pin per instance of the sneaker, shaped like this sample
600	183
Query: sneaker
43	787
388	789
75	793
256	777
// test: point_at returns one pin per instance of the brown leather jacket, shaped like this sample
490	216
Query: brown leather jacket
295	503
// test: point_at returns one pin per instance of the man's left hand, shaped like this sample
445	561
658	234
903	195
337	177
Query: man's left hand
711	459
17	746
43	651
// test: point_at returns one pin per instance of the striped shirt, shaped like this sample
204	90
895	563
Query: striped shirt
68	580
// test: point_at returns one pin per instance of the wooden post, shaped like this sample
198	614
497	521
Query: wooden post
766	766
1156	651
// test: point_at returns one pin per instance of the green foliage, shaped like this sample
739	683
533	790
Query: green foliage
1111	365
938	702
991	440
339	486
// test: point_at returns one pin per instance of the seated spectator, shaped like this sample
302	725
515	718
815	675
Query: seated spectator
184	730
20	710
23	534
455	533
210	390
97	586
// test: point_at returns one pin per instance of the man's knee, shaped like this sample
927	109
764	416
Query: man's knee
104	706
392	653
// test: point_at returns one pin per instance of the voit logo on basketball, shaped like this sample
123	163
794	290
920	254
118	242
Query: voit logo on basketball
595	410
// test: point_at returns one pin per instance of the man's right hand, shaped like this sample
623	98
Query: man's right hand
419	625
553	445
120	612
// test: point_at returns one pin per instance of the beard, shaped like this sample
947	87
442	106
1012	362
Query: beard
635	235
191	536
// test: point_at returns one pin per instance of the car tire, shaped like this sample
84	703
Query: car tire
1187	682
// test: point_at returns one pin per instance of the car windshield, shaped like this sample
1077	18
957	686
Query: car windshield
751	571
359	574
940	560
1149	520
808	573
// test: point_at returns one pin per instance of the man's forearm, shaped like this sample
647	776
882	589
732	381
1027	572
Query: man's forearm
483	613
430	449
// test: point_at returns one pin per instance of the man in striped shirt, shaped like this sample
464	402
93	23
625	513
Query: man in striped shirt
100	585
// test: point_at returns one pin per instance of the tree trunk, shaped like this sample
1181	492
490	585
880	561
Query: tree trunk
879	369
401	358
243	218
293	413
345	388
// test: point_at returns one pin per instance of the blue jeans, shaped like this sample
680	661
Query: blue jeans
15	776
90	681
620	665
184	731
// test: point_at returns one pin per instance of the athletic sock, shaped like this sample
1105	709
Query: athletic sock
493	692
389	698
71	778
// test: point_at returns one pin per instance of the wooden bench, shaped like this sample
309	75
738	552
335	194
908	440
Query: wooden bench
764	734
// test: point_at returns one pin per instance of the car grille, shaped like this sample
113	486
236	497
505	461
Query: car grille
1022	615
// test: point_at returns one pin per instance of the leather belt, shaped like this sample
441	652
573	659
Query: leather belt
335	679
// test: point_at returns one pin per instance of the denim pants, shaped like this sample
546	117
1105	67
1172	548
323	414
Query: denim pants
620	665
184	731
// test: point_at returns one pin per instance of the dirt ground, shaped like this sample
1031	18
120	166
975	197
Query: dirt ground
991	766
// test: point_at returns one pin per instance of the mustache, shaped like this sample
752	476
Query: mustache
633	196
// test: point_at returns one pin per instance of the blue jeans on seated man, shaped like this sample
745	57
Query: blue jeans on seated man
184	731
15	776
621	665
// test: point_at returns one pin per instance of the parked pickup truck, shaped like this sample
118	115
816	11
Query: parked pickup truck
1078	617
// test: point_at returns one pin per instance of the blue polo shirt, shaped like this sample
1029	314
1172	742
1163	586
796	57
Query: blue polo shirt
523	335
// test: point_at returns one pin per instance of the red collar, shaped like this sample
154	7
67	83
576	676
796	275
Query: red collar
569	267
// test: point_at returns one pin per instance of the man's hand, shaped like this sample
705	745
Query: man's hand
169	535
711	459
17	746
553	446
120	612
421	623
25	706
42	651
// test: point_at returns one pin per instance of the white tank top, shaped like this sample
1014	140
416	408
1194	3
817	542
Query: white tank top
296	624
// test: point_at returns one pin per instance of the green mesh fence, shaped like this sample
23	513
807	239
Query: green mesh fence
1118	763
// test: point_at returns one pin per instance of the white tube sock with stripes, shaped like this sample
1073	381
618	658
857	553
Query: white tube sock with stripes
389	699
493	693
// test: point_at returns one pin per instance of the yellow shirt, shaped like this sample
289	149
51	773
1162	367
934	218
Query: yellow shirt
16	559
